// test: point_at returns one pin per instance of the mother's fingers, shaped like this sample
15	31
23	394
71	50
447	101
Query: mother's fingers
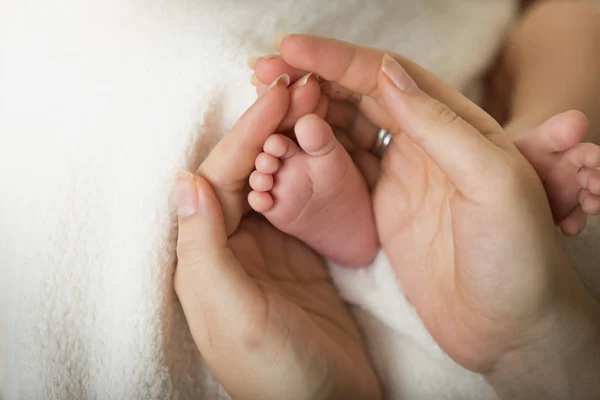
357	67
213	288
229	164
360	129
267	68
342	107
352	66
305	98
465	155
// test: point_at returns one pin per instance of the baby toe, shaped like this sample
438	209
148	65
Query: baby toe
594	183
590	203
575	223
591	155
261	182
260	201
267	164
590	179
280	146
583	155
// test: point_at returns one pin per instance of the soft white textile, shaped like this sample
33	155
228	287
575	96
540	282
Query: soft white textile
101	102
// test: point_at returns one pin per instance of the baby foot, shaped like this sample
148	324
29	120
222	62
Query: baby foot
568	168
315	192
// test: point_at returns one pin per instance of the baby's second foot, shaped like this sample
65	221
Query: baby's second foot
568	168
314	192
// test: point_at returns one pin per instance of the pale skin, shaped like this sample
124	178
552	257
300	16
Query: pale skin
216	280
260	306
312	190
550	64
589	314
568	169
521	335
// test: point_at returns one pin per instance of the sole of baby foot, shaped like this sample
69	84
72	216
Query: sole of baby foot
317	194
566	167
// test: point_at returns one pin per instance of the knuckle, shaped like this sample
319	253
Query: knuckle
190	252
443	115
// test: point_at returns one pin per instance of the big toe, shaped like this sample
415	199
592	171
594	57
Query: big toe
315	136
562	131
556	135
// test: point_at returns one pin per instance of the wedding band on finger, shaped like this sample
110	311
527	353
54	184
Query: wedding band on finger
383	140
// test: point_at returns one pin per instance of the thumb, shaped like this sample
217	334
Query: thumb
460	150
213	288
201	221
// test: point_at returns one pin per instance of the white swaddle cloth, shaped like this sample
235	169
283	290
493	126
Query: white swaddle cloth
101	102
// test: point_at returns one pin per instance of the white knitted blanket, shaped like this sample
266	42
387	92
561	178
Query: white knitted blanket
101	102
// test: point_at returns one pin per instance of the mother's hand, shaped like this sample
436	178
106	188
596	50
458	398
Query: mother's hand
259	303
461	214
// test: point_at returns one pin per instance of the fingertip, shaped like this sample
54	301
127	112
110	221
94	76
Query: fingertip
186	194
397	75
251	62
278	40
261	88
208	210
269	67
304	99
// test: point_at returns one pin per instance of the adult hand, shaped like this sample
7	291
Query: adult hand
461	214
260	305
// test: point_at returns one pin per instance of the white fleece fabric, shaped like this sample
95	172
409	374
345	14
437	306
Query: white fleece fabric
101	102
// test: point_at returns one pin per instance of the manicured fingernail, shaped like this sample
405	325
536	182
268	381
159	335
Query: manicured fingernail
186	195
398	75
302	81
285	78
278	39
254	80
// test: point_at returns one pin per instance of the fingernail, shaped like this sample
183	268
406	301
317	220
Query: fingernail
302	81
278	39
285	78
254	80
252	61
186	196
398	75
